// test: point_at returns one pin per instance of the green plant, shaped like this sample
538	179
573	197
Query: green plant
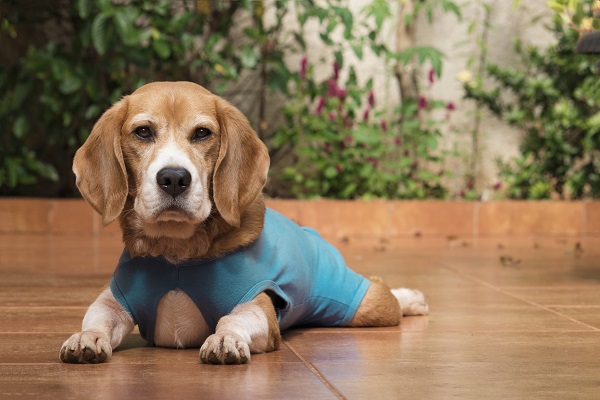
555	100
346	147
101	50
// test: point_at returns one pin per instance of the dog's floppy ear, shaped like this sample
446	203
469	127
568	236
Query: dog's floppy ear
99	167
241	170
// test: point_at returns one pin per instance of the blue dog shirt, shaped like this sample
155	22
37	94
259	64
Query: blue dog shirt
306	274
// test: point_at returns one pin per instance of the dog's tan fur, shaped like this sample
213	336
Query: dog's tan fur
226	213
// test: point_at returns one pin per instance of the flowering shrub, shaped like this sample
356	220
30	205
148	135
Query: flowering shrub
555	100
347	148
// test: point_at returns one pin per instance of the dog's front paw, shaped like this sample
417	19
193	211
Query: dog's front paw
412	302
226	348
86	348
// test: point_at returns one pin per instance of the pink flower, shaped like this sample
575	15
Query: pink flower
470	185
320	105
374	162
422	103
335	91
303	67
348	121
331	116
431	76
450	106
333	88
397	141
327	146
339	168
336	70
371	98
384	126
497	185
349	140
366	114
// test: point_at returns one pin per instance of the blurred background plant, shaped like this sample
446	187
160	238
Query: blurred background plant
342	144
86	54
554	98
332	134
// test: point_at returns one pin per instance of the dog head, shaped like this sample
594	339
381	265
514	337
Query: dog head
178	153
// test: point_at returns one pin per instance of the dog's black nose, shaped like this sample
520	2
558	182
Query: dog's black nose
174	181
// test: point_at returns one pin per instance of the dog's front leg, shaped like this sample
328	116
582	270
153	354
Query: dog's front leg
250	328
104	326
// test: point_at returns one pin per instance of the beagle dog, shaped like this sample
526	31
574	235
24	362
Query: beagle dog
205	264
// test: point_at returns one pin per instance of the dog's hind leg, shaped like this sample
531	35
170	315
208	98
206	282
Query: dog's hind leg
378	308
384	307
250	328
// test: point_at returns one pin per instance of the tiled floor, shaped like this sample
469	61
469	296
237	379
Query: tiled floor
511	319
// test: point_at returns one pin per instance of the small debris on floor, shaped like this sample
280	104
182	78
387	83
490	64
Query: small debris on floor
345	239
418	234
577	250
453	244
536	245
509	261
500	246
379	248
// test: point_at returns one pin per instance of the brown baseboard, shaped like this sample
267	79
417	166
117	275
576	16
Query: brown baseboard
339	219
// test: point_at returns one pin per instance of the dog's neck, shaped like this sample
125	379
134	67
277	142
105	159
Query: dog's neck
211	239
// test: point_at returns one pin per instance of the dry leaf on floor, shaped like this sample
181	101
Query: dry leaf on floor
509	261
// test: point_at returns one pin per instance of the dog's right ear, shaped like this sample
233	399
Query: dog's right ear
99	167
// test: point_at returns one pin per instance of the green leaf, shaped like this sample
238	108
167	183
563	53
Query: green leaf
100	33
556	6
358	50
161	47
21	126
249	57
70	85
84	8
330	173
92	111
124	19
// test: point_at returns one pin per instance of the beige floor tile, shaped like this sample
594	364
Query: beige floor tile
523	331
163	380
587	315
556	296
453	365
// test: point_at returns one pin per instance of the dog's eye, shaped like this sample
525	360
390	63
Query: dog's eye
201	134
143	132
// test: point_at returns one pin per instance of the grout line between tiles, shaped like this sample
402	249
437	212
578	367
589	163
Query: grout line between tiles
515	296
315	371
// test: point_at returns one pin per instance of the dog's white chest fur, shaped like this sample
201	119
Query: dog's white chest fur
179	323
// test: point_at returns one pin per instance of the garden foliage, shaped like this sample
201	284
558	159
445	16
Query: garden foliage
342	141
555	99
101	50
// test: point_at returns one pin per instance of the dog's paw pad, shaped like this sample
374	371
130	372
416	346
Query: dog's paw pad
411	301
85	348
225	349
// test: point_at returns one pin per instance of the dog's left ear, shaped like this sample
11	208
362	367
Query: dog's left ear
241	170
